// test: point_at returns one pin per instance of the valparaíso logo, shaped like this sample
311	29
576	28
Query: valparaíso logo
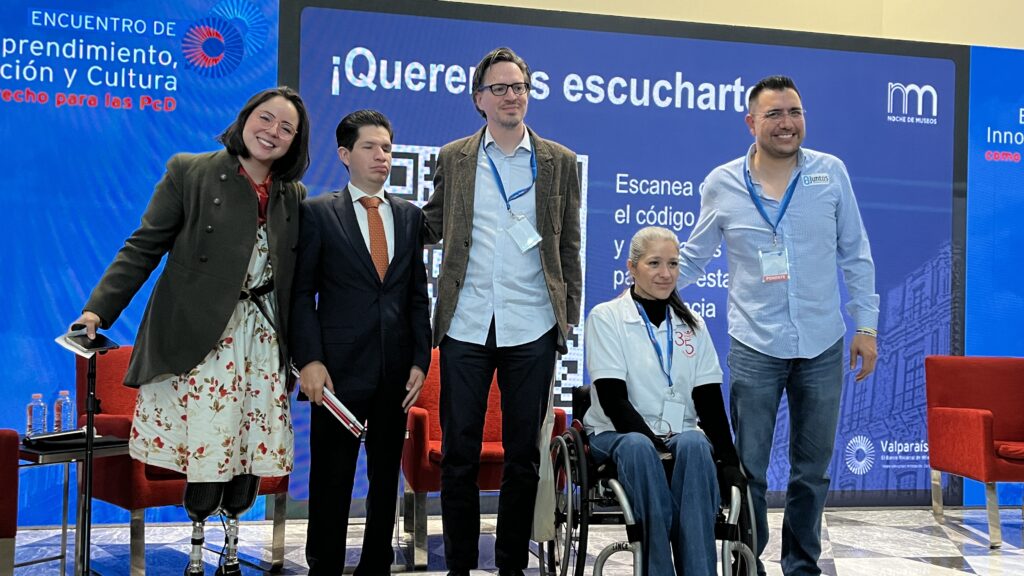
860	455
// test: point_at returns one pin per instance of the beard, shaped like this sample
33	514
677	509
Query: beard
510	123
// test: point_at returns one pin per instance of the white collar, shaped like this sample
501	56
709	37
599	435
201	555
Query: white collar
357	194
525	143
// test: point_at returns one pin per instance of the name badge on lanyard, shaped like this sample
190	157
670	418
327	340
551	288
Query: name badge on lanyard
522	230
673	409
774	258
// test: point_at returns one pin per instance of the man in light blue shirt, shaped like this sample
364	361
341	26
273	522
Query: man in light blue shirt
788	217
506	202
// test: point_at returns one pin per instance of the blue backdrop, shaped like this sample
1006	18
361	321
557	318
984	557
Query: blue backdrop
668	109
994	299
647	113
78	171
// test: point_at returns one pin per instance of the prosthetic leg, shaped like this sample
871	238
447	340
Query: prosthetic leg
239	495
201	500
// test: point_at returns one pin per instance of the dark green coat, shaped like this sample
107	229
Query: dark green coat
203	217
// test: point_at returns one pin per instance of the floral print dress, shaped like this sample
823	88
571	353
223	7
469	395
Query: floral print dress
230	414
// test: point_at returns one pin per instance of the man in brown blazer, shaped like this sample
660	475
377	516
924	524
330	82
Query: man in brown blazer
506	203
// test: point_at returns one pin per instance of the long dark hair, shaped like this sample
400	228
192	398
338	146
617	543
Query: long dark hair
638	247
294	163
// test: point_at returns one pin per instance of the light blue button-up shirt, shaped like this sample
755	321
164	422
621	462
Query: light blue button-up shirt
501	280
821	230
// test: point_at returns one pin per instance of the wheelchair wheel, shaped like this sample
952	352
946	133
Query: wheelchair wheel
743	565
568	556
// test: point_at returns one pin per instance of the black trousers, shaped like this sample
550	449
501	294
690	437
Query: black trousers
334	452
524	378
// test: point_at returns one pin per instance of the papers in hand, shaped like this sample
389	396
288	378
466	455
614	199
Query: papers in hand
339	411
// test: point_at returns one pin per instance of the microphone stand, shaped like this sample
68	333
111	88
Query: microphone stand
83	539
86	479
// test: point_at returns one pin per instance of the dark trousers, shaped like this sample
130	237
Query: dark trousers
333	455
524	378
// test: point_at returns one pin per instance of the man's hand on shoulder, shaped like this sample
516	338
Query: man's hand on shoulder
413	386
313	378
866	348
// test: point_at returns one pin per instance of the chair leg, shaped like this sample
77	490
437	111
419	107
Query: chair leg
137	542
995	531
415	523
407	515
277	544
6	556
937	496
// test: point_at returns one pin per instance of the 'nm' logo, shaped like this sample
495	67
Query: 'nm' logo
899	98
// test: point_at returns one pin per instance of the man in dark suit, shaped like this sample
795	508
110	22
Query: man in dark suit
362	330
506	202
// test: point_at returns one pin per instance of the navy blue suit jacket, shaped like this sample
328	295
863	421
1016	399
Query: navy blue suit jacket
367	332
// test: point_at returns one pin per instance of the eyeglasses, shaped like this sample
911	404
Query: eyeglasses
778	115
519	88
285	131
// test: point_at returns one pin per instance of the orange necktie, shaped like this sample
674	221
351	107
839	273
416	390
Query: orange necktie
378	241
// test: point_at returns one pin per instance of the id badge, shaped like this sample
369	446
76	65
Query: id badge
774	264
673	411
523	233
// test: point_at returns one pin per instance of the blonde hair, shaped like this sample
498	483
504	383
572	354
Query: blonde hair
643	239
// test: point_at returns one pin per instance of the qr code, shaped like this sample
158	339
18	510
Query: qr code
412	178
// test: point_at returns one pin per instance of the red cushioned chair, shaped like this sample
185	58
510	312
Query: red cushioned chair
976	426
421	457
129	484
9	443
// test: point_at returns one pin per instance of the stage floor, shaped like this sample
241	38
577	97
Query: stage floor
903	542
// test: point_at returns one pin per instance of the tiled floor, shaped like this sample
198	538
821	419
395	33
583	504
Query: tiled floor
906	542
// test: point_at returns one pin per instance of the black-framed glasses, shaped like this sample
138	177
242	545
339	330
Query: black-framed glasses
778	115
518	88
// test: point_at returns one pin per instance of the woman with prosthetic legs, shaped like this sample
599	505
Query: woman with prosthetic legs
210	359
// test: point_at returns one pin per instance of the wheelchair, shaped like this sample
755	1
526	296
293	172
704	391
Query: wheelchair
587	494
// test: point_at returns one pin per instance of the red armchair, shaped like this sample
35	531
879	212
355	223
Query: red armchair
9	443
975	426
129	484
421	457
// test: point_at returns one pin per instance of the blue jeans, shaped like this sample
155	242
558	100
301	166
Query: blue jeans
691	496
813	388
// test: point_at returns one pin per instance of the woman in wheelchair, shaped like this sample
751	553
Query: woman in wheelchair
655	374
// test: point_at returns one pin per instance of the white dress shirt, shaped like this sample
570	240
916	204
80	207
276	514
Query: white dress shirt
502	281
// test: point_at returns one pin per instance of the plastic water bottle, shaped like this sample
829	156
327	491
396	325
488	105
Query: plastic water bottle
35	416
63	413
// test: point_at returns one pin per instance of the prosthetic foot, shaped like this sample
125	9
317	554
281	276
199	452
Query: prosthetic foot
239	496
201	500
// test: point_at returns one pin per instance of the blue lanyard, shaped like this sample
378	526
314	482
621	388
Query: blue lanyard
654	339
757	200
501	187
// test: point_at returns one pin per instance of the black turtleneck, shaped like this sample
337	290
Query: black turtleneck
655	309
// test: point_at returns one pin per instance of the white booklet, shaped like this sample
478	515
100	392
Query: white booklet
343	414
